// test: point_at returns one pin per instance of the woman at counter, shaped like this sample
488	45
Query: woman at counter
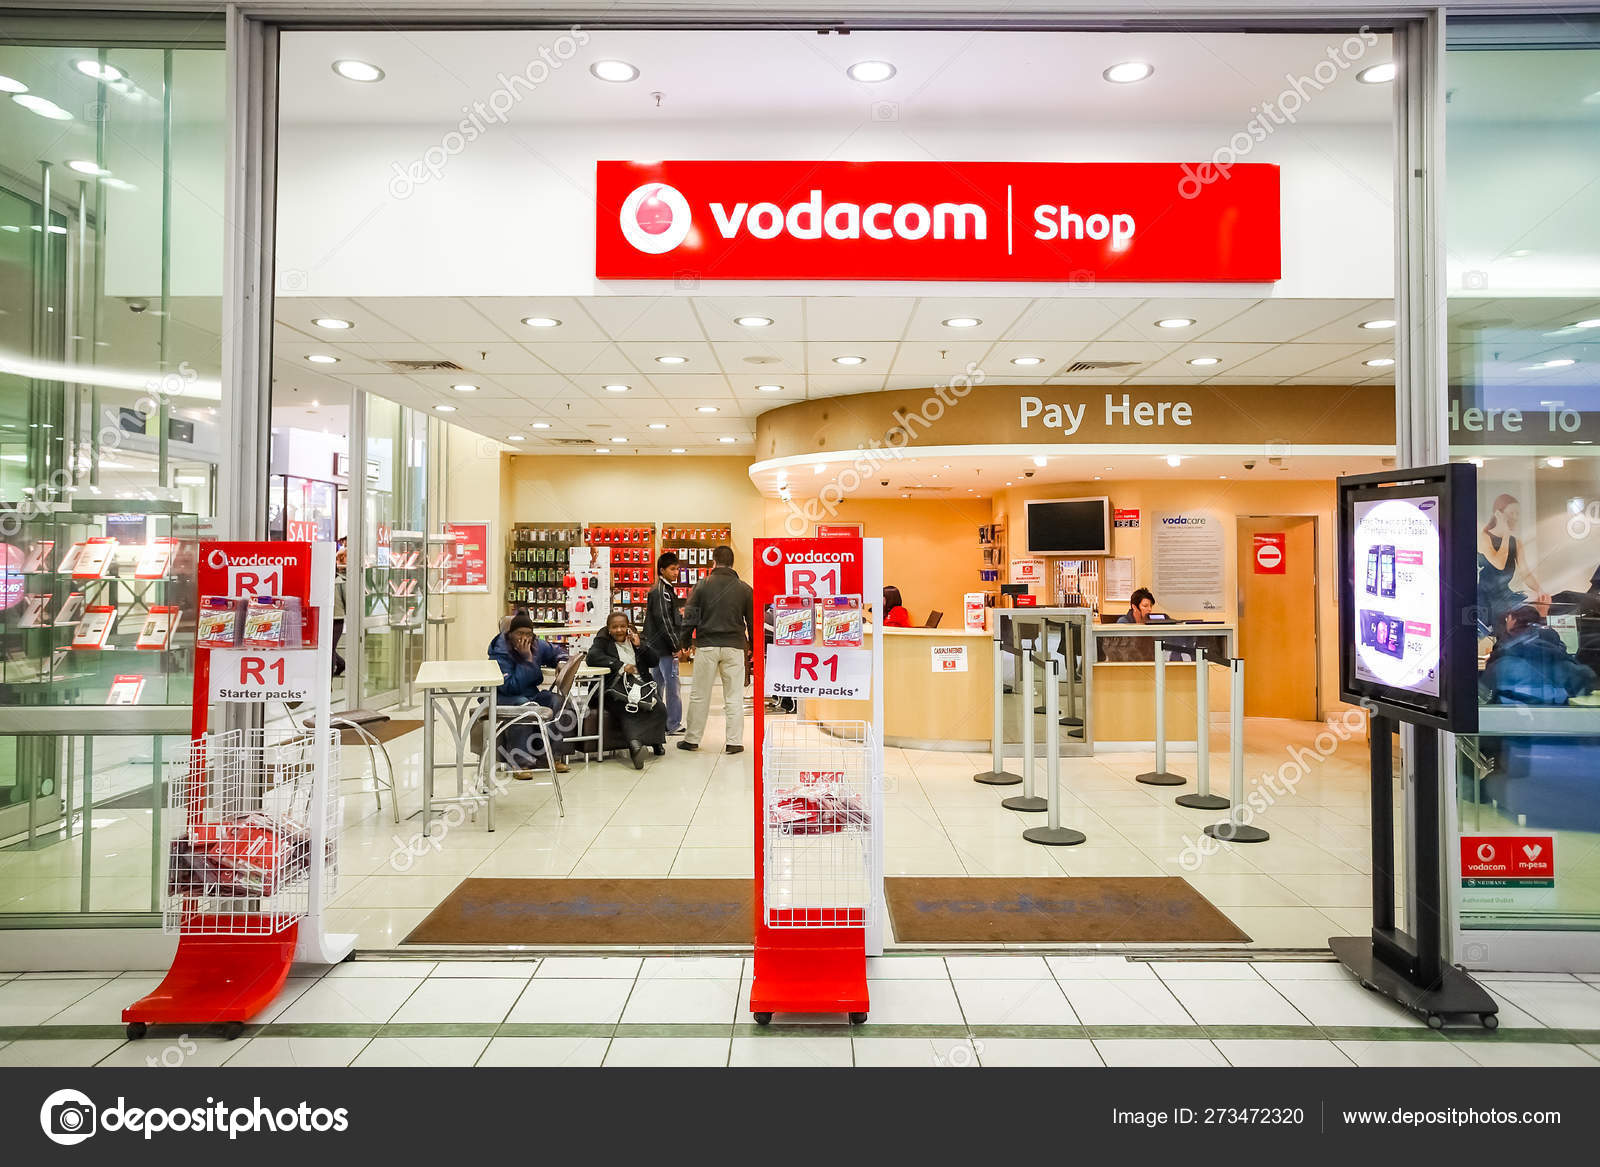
631	700
1505	578
894	609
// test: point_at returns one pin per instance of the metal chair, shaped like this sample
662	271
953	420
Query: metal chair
346	722
540	716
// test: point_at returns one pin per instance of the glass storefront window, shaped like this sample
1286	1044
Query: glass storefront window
1523	201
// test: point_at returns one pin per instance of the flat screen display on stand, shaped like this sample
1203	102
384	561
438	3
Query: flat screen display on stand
1407	632
1073	527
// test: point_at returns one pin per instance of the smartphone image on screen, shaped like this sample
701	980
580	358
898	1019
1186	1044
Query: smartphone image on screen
1372	571
1386	570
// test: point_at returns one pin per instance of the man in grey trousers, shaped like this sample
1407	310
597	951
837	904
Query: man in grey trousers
720	616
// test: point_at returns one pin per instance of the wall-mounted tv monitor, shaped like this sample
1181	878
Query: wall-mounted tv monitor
1073	527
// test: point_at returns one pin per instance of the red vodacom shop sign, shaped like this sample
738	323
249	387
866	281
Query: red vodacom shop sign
1059	221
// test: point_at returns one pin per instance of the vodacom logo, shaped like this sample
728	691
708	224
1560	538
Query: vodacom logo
771	557
655	218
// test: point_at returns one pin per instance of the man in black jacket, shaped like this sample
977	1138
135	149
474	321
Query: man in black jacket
663	631
720	615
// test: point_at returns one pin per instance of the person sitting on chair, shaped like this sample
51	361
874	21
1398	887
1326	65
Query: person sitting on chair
630	695
894	609
1531	666
517	652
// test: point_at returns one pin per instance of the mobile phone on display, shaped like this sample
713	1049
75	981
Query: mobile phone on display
1386	570
1372	571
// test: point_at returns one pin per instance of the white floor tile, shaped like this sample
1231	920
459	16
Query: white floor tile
456	1000
297	1051
586	967
1235	1003
1406	1053
545	1051
1009	1002
1158	1052
26	1001
682	1001
485	969
913	1003
1526	1053
1205	970
1344	1002
1095	968
997	968
791	1050
1109	1002
667	1051
372	970
173	1053
570	1001
56	1052
691	967
1291	1052
1036	1051
421	1051
906	968
924	1052
349	1001
104	1006
1572	1005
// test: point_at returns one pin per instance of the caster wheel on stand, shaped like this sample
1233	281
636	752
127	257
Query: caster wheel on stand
1435	1021
232	1030
136	1030
763	1018
857	1018
1490	1020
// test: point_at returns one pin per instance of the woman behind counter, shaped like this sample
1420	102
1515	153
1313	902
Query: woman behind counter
1502	565
894	609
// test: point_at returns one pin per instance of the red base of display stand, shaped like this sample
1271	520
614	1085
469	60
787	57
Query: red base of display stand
217	979
824	971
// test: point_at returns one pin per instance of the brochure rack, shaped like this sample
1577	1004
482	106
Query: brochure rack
818	787
252	828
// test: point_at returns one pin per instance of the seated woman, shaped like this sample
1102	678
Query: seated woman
1530	666
894	610
627	662
518	656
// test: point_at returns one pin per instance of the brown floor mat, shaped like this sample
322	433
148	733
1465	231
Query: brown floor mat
592	911
1131	909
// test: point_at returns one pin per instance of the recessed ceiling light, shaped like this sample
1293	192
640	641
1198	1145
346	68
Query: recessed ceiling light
705	409
465	388
1555	363
99	71
725	439
961	322
1520	253
1127	72
1379	362
1377	324
1174	460
540	321
679	450
848	360
118	184
770	388
444	409
1175	322
322	359
357	71
85	167
1555	463
1205	360
618	388
933	476
871	71
619	439
601	450
616	71
1040	460
657	425
905	496
41	106
669	359
516	438
1378	74
540	425
1222	476
11	85
333	323
752	321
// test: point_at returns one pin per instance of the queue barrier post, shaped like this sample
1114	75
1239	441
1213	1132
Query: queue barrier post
1202	799
1027	800
1053	834
1233	829
1161	776
997	774
1069	657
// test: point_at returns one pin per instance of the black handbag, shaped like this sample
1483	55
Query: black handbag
636	693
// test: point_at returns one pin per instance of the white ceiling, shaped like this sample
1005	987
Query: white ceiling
558	375
777	75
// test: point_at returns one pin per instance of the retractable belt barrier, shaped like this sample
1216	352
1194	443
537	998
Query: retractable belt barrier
1203	799
1161	776
1052	834
1027	800
1232	829
998	775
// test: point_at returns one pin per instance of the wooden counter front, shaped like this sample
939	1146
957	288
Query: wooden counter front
923	709
1124	702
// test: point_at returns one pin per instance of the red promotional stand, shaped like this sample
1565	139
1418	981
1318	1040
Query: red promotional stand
251	828
818	789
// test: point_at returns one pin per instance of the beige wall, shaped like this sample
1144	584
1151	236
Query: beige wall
1227	500
470	492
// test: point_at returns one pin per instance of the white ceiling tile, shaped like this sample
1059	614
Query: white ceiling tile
996	315
574	357
939	360
646	318
857	318
680	385
1289	360
1207	315
1175	363
493	359
751	360
718	313
642	355
508	312
1277	321
436	318
297	312
1069	318
537	387
997	367
836	385
879	355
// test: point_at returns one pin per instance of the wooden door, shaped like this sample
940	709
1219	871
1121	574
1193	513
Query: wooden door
1277	574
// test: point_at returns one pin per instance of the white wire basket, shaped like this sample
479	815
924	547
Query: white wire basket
238	830
819	864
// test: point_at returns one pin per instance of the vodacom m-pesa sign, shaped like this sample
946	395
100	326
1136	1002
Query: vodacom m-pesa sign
1059	221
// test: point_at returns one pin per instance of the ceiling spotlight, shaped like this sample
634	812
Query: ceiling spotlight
618	388
1556	363
752	321
444	409
657	425
540	321
11	85
516	438
679	450
41	106
1205	360
1555	463
871	71
726	438
322	359
619	439
601	450
670	359
540	425
1378	74
1127	72
99	71
1027	360
1379	362
1096	478
465	388
1377	324
819	468
961	322
1174	322
849	360
333	323
357	71
616	71
770	388
1040	460
705	409
1174	460
83	167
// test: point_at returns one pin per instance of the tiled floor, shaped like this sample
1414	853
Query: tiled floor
930	1011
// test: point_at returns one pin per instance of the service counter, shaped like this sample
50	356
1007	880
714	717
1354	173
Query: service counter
932	700
1123	708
